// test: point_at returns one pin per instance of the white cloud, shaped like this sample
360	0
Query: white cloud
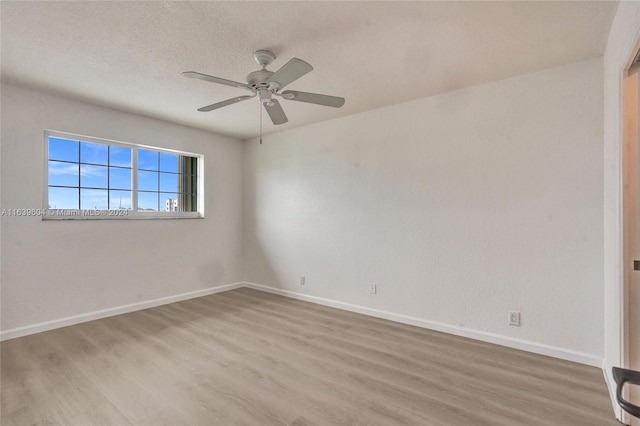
62	168
56	168
93	171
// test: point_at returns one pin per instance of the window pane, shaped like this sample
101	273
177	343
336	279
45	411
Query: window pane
169	182
119	178
94	199
64	174
63	149
190	202
147	160
63	198
119	200
148	201
119	156
95	153
169	162
93	176
189	183
169	202
97	175
147	181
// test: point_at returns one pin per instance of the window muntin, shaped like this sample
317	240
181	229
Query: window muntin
84	174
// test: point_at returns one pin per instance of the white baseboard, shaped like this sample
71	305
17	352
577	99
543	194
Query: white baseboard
90	316
611	386
511	342
525	345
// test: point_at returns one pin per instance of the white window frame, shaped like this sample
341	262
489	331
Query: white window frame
82	214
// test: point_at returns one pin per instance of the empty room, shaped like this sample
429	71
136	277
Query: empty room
320	213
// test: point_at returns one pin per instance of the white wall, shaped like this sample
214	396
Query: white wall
460	207
56	269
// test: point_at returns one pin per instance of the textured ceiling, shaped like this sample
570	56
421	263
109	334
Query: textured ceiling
129	55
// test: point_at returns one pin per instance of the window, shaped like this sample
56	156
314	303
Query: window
89	178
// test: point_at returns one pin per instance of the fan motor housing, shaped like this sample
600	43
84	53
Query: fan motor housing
258	79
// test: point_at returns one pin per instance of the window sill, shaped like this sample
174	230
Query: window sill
116	215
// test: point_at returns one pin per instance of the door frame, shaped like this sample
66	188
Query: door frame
622	46
630	198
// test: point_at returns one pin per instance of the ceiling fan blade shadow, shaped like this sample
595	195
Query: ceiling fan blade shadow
276	113
291	71
313	98
212	79
225	103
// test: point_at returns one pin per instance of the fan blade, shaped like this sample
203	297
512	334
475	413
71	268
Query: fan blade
225	103
313	98
276	112
291	71
205	77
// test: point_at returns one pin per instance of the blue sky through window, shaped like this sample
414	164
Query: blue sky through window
147	160
147	181
63	174
148	201
94	199
81	175
168	182
168	162
120	199
63	149
94	153
119	156
63	198
94	176
119	178
87	175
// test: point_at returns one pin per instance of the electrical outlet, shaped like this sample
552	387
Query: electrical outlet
373	289
302	279
514	318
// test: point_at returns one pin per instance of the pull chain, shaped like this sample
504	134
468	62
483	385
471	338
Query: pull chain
260	123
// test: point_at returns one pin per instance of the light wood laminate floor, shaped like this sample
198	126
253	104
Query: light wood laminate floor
246	357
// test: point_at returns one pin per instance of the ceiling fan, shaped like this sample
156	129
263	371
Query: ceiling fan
265	84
